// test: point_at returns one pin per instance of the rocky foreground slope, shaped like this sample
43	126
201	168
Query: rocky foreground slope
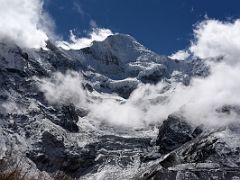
48	131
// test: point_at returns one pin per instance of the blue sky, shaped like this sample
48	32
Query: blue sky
163	26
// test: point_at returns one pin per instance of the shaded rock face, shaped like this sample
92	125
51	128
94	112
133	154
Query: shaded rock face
69	118
88	87
154	78
173	133
212	154
66	116
125	91
52	154
154	75
200	151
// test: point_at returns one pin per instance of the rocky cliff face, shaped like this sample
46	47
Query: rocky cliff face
54	133
199	154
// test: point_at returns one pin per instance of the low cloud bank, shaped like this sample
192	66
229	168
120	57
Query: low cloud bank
63	88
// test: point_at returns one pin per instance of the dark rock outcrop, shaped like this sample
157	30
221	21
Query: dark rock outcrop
173	133
206	156
69	118
203	158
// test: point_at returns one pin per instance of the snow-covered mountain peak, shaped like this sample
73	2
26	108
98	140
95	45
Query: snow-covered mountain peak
121	46
121	40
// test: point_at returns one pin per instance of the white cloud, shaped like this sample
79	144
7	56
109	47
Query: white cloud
214	38
180	55
21	23
117	113
63	88
75	43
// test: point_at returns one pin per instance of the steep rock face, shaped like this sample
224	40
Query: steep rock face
173	133
211	154
52	154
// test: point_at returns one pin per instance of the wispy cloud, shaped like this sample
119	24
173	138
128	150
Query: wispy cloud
78	8
97	34
180	55
192	10
93	23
